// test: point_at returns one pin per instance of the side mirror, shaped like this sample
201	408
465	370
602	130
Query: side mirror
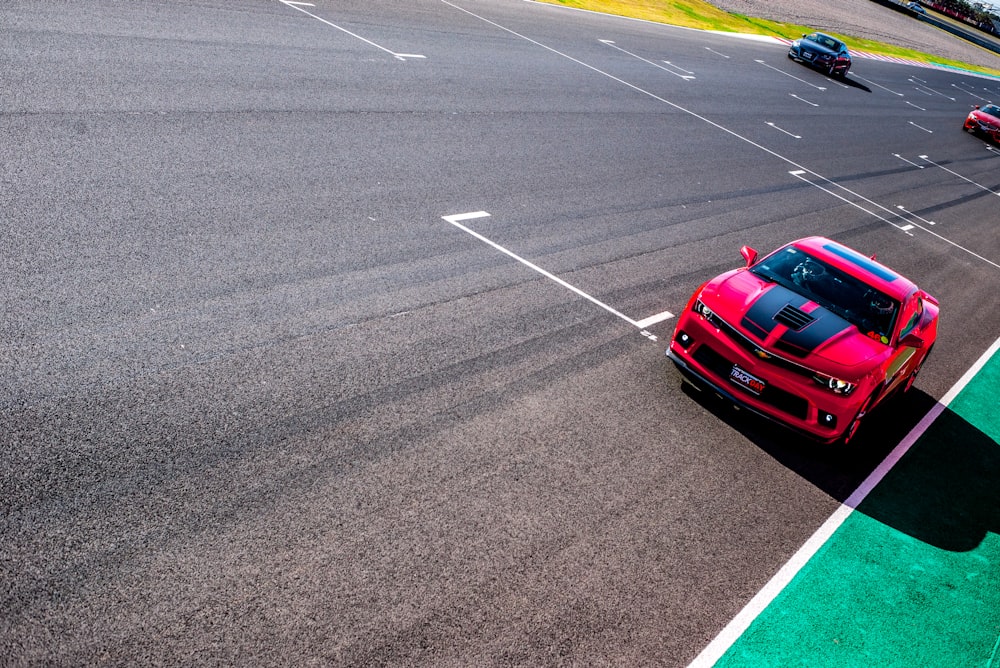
749	254
911	340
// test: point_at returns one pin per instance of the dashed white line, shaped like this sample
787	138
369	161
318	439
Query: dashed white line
878	85
908	162
910	213
802	99
783	130
790	75
954	173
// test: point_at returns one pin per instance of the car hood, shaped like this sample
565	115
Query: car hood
785	323
983	117
817	47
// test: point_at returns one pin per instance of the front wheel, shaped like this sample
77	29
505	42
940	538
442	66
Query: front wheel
913	374
852	429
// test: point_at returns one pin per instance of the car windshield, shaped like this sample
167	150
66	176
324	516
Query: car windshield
867	308
991	109
826	41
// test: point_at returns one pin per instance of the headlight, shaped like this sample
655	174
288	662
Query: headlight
837	385
701	309
795	44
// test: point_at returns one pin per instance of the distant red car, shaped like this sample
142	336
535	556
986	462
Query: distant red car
984	121
813	336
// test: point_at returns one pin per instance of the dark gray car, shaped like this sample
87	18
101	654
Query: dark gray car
825	53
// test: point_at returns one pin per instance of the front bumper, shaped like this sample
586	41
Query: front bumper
712	357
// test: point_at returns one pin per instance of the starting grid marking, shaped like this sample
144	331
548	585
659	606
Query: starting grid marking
457	220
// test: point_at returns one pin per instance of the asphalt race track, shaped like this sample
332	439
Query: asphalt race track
335	334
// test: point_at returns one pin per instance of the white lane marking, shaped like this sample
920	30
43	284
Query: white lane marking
978	97
906	228
978	185
708	48
300	7
742	621
916	106
801	169
610	43
789	75
456	219
785	131
653	319
459	217
910	213
930	132
687	75
802	99
875	84
799	175
924	87
907	161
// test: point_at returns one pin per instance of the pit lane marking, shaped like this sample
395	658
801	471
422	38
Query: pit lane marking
930	132
913	105
708	48
457	220
300	6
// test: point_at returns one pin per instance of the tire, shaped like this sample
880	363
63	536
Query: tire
852	429
913	374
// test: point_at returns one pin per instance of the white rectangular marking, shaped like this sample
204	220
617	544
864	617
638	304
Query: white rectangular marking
459	217
653	319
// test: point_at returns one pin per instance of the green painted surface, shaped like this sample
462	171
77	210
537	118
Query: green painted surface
912	578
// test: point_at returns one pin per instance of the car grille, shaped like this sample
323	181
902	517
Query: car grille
786	402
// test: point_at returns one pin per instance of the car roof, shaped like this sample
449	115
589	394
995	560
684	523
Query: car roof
857	264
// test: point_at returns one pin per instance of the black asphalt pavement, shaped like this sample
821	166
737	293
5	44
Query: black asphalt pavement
263	401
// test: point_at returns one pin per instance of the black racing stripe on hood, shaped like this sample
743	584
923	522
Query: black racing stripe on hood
825	326
759	318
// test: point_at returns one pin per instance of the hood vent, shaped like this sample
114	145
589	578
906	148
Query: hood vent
793	317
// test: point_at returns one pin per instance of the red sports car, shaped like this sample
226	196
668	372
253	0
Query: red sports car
814	336
984	121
